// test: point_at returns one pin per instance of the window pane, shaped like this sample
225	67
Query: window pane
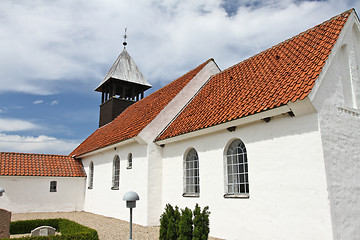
242	188
241	158
242	168
242	178
229	169
230	189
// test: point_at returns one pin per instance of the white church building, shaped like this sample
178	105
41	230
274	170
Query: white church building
270	144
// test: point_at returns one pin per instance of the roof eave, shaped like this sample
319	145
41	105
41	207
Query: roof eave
96	151
298	108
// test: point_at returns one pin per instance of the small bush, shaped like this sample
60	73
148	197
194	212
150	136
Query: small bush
201	223
185	226
69	230
169	223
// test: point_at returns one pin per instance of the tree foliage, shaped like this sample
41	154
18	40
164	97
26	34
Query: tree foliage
201	223
187	225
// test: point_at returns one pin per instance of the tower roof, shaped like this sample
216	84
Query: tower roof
124	69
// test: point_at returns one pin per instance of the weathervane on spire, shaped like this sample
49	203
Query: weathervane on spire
125	37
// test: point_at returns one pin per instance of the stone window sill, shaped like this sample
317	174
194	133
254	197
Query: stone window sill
194	195
238	195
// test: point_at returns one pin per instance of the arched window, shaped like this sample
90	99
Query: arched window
129	166
237	180
191	173
91	175
116	173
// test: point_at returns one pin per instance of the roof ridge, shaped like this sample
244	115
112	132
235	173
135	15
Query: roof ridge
204	63
289	39
45	154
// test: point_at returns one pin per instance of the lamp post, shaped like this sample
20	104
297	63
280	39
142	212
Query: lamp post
131	198
1	191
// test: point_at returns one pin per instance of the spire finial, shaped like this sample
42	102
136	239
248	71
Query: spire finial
125	37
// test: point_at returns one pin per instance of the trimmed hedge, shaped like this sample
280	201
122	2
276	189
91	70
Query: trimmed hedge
69	230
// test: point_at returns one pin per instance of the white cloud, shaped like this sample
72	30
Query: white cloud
3	110
40	144
55	102
38	101
16	125
43	42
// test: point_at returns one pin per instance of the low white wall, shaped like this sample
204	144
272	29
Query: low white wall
105	201
288	194
32	194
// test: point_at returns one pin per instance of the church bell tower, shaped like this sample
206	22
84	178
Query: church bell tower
122	86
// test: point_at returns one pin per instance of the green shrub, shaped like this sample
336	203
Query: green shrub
69	230
201	223
22	227
185	225
169	223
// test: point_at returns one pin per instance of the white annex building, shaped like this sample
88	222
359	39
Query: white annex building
270	144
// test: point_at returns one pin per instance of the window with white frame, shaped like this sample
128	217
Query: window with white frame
130	161
191	174
116	173
53	186
237	180
91	175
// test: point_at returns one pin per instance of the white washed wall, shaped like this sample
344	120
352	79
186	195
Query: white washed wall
337	101
145	177
105	201
32	194
288	194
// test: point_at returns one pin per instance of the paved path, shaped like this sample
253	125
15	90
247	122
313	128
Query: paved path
107	228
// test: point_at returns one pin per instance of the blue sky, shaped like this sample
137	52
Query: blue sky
54	53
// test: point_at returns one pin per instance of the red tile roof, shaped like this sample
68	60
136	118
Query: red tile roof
136	117
30	164
283	73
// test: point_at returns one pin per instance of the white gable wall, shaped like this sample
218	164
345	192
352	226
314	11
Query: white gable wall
288	195
337	102
105	201
32	194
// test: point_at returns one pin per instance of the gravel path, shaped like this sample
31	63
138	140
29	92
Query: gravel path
107	228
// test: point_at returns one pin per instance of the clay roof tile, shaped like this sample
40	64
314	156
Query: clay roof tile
285	72
30	164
